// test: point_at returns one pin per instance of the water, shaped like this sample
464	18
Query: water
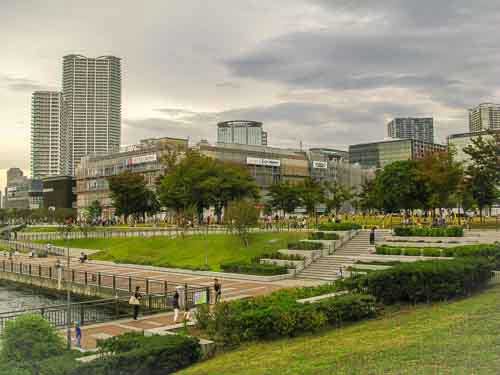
21	298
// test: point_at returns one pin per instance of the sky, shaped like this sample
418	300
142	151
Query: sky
324	72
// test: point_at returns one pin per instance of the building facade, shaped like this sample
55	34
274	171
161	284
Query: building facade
380	154
22	192
485	116
59	192
241	132
92	105
145	158
420	128
459	141
49	135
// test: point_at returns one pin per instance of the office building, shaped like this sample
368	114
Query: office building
331	153
380	154
459	141
421	129
22	192
92	105
59	192
241	132
485	116
49	135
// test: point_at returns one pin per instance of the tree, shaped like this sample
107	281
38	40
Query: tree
483	172
311	194
284	196
242	215
95	210
441	175
129	194
337	195
28	340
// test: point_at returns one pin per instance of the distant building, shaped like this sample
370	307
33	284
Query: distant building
59	192
92	105
241	132
421	129
331	153
380	154
49	135
485	116
462	140
22	192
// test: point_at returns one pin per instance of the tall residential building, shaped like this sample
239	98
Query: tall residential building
92	105
241	132
49	136
485	116
419	128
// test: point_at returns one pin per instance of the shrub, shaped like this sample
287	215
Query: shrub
28	340
304	245
338	226
278	255
412	251
254	268
429	232
425	281
326	236
432	252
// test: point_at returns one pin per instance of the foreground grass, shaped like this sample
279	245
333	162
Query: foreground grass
184	253
462	337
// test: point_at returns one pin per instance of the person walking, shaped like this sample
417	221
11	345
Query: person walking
218	290
372	236
135	301
176	304
78	335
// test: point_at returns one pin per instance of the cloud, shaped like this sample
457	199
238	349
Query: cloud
23	84
229	85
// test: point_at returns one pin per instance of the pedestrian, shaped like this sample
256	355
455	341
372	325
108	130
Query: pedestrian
175	304
372	236
218	290
135	301
78	335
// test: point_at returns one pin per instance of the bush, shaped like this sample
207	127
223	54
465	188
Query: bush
279	315
326	236
254	268
412	251
425	281
338	226
28	340
304	245
279	256
429	232
431	252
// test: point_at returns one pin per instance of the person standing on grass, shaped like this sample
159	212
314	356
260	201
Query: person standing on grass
135	301
372	236
176	304
218	290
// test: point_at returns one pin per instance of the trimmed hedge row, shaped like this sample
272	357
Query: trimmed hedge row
429	232
277	316
425	281
254	268
326	236
304	245
410	251
279	256
338	226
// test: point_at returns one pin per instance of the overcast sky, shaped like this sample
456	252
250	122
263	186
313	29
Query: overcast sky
324	72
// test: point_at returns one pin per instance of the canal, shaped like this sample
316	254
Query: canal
14	297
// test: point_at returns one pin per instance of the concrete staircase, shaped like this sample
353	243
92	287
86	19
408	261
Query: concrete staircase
328	268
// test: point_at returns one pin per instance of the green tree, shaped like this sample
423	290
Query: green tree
241	216
337	196
483	172
284	197
95	210
311	195
129	194
28	340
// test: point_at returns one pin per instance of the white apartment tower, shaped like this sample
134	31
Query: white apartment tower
92	105
49	137
485	116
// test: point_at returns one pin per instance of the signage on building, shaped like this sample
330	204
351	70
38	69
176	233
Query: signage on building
12	188
142	159
265	162
320	164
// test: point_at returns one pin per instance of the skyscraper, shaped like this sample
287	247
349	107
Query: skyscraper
92	105
485	116
49	136
241	132
421	129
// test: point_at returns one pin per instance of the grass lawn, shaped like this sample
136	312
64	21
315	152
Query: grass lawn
184	253
461	337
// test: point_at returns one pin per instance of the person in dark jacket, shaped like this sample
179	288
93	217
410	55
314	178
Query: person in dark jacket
137	304
176	305
372	236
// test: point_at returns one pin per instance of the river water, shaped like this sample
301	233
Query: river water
21	298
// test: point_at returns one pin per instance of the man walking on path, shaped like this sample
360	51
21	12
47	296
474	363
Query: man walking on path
78	335
218	290
372	236
135	301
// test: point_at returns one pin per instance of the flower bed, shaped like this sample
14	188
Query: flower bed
429	232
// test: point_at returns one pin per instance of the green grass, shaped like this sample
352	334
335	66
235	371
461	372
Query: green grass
53	229
184	253
461	337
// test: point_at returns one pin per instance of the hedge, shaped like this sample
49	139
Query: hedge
278	255
338	226
425	281
326	236
429	232
280	315
304	245
254	268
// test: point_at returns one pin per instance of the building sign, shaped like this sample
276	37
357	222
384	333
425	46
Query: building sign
142	159
320	164
11	189
265	162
